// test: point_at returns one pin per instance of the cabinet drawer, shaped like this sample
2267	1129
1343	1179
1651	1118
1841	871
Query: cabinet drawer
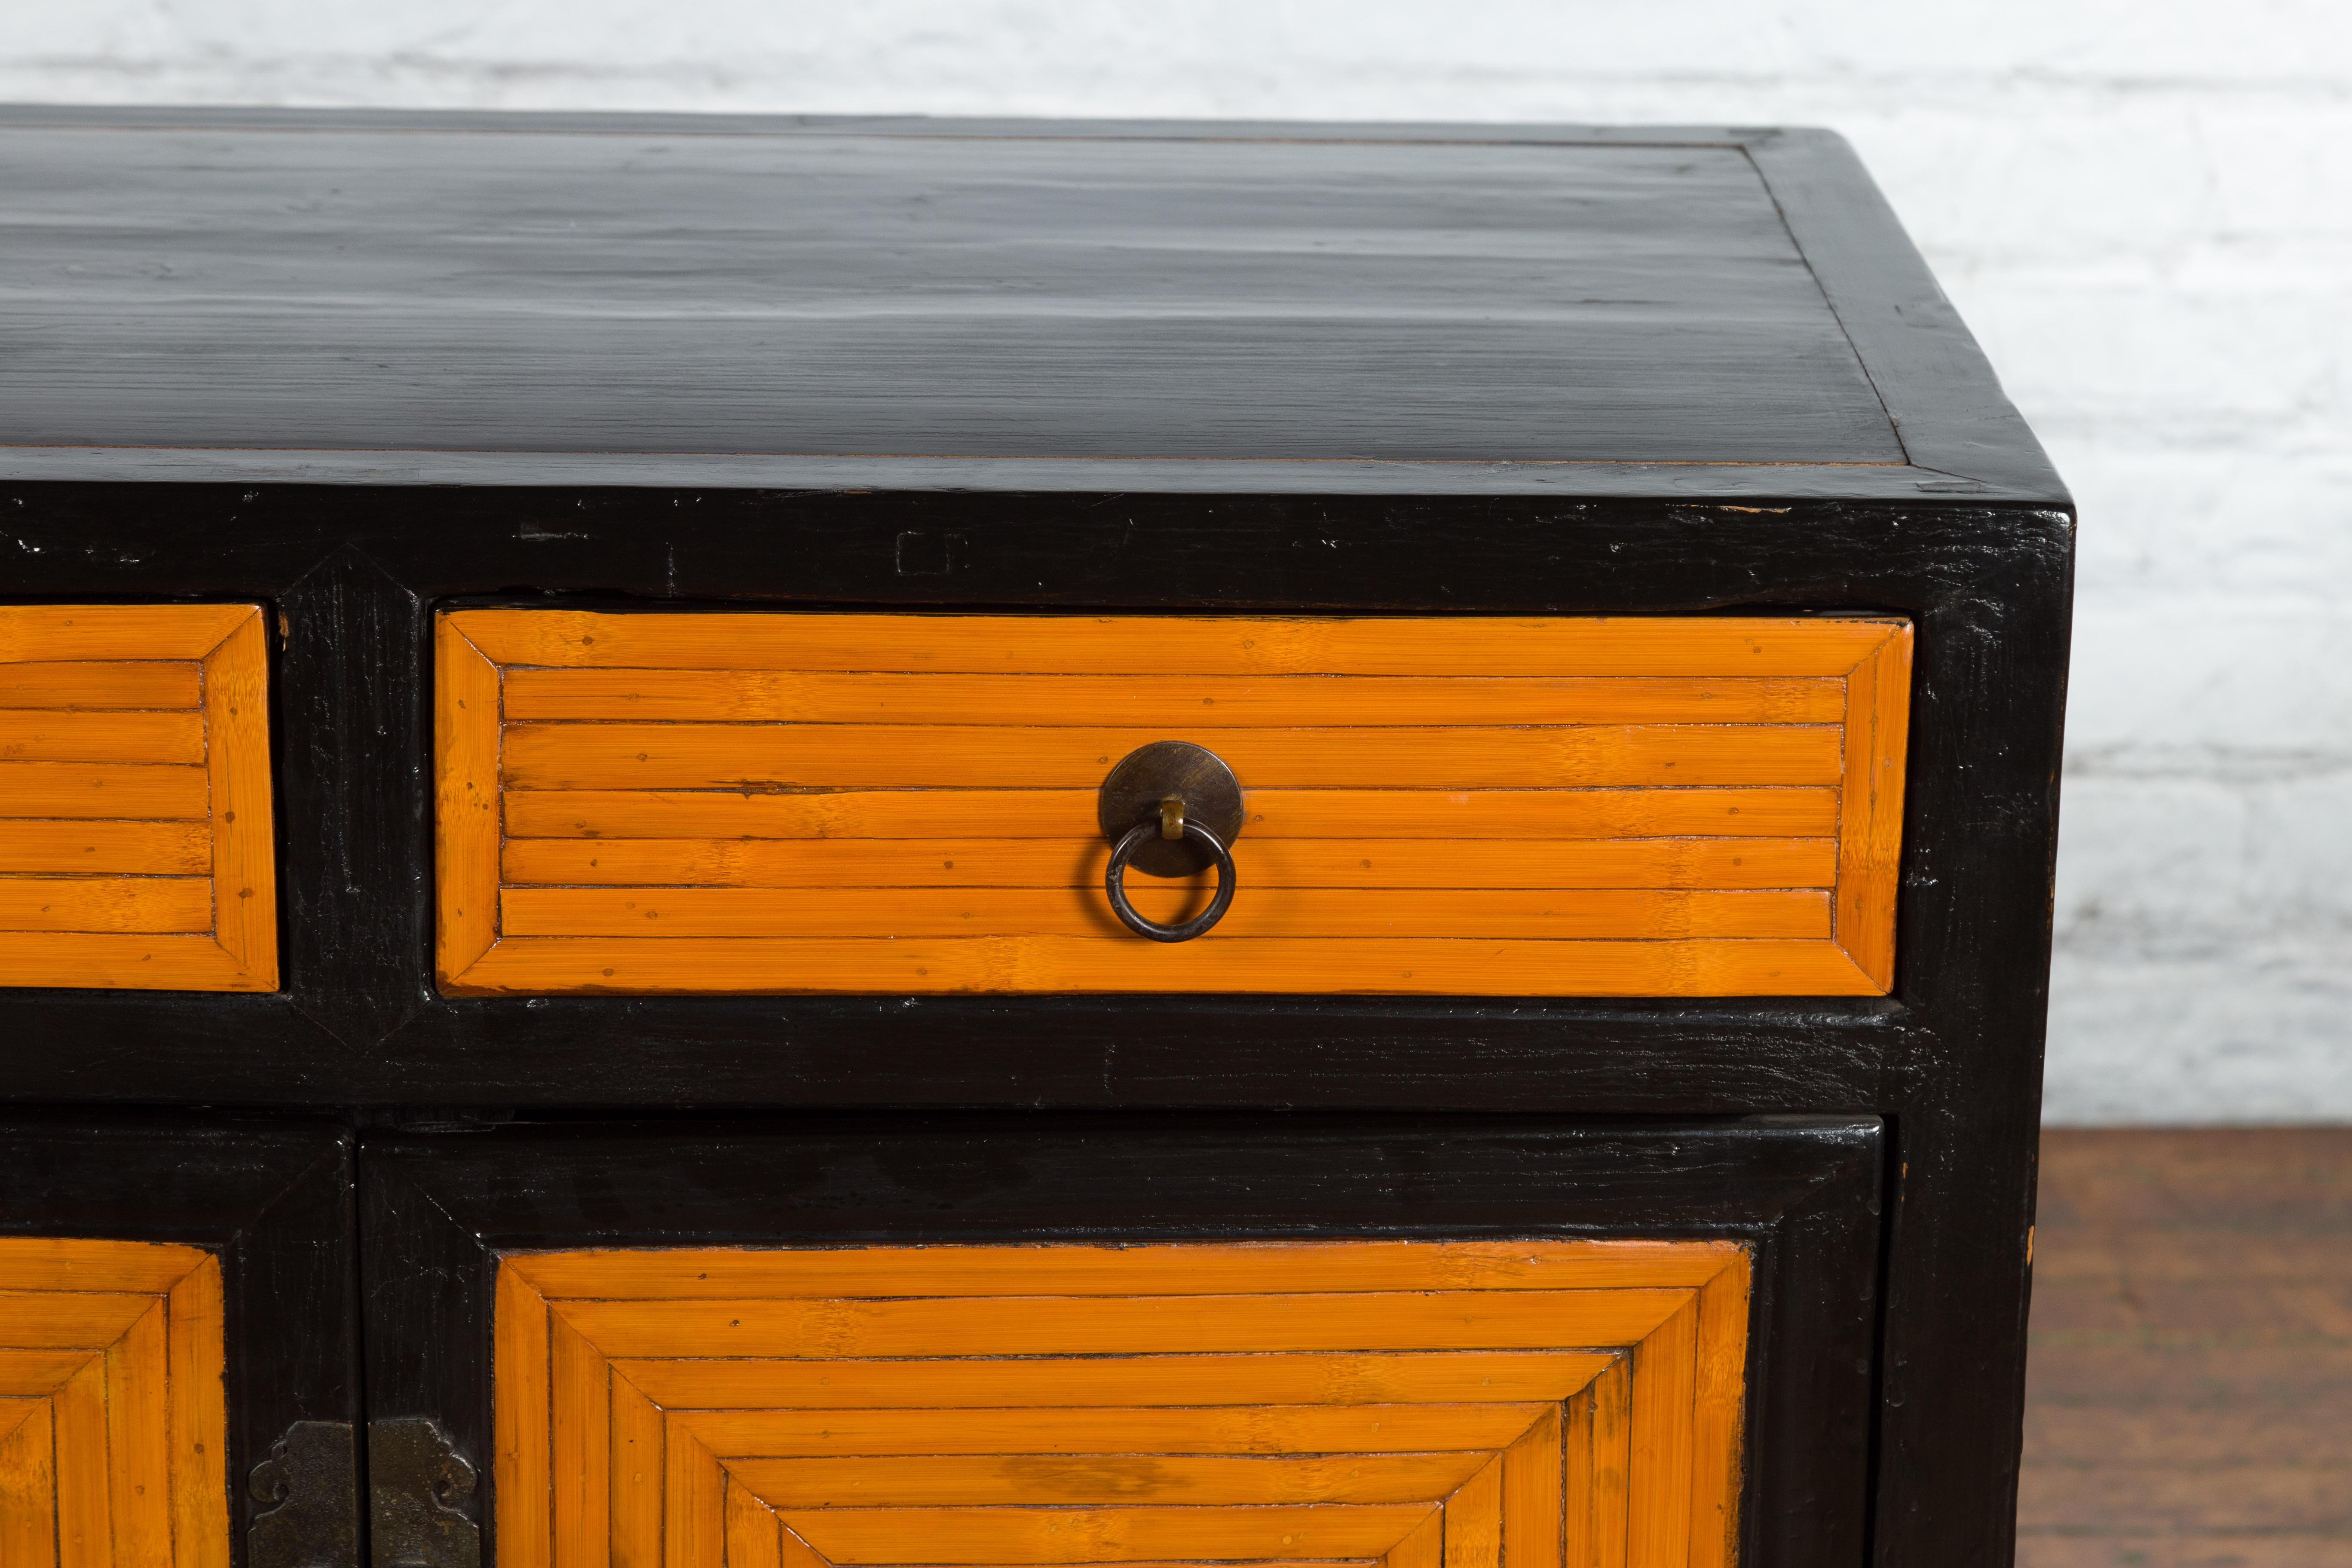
782	801
135	841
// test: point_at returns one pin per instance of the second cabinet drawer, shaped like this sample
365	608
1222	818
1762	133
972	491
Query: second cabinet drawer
781	802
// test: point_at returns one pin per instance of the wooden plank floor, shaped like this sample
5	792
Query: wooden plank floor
2190	1393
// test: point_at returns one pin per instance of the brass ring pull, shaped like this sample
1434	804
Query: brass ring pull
1115	881
1170	809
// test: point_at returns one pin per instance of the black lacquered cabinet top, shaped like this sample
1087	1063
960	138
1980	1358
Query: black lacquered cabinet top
243	295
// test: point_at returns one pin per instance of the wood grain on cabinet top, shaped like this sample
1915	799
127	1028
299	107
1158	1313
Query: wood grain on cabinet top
934	296
895	803
113	1430
369	299
136	850
1422	1405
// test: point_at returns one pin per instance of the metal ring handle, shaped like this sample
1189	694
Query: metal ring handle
1114	882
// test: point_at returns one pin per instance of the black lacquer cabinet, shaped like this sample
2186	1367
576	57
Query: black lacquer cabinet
743	841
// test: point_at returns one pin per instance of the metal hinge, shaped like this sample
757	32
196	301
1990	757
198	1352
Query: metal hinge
309	1485
415	1475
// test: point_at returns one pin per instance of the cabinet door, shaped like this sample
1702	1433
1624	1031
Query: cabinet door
178	1366
1473	1345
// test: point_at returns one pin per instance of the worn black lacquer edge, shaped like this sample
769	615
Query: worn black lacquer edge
272	1200
1964	1113
1956	425
1803	1191
420	469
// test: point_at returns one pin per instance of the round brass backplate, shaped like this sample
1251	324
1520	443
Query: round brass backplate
1163	770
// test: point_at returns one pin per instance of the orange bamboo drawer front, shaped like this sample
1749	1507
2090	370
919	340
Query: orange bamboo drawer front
114	1424
641	803
135	842
1419	1404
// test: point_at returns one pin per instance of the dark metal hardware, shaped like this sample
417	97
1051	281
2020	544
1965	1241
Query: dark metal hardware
1193	776
311	1483
1170	809
1146	833
414	1477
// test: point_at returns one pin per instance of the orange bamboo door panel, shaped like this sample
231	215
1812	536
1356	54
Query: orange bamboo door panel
113	1432
1422	1405
135	840
779	802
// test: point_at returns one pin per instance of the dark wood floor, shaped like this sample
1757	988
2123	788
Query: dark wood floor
2190	1394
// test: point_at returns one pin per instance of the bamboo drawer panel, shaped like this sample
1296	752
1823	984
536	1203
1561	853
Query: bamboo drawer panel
1422	1405
135	838
645	803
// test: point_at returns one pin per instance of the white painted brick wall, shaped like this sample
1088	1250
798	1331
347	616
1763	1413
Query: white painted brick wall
2144	208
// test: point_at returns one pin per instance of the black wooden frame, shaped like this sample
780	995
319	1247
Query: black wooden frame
1973	540
438	1208
1952	1059
275	1203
